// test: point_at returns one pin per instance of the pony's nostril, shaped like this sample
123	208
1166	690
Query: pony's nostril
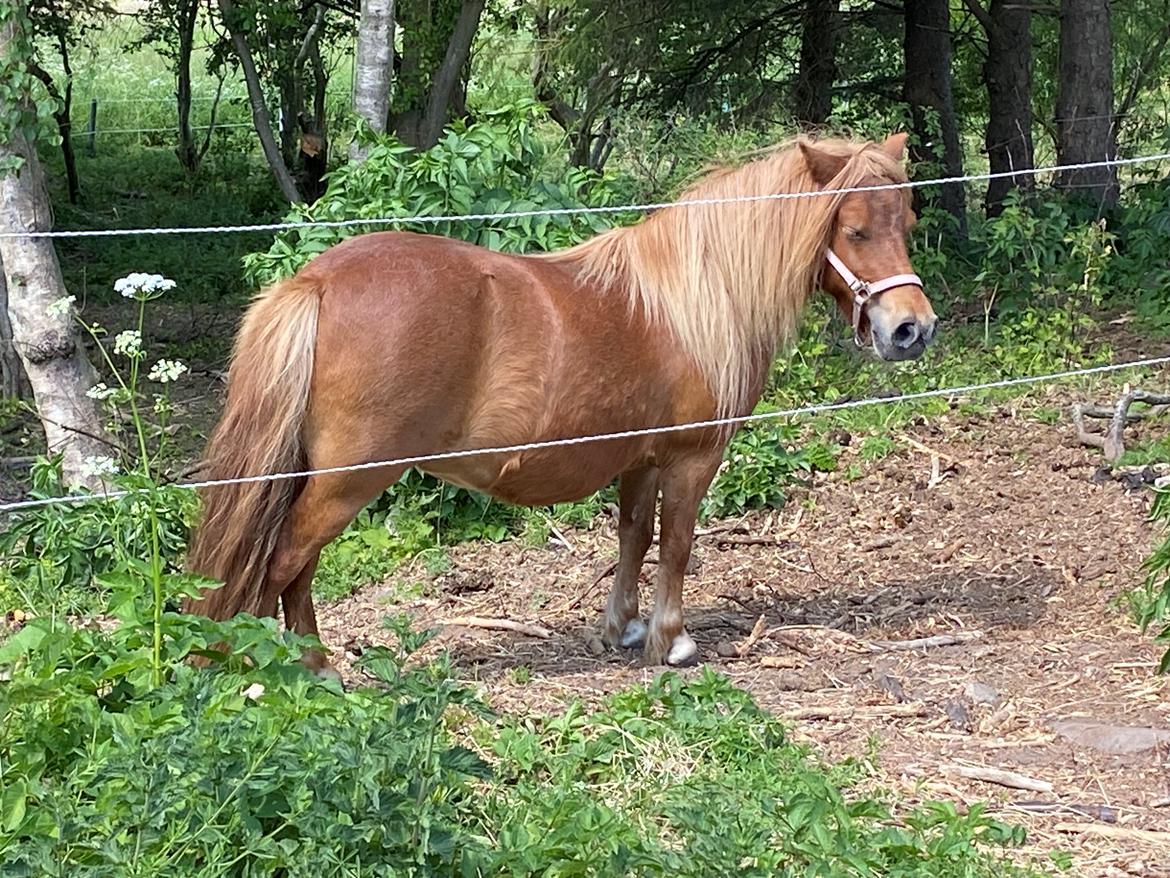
906	334
931	329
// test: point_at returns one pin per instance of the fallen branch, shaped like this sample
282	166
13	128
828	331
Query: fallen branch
734	540
1150	836
588	590
778	661
1103	813
924	642
998	776
752	639
500	625
1111	442
875	712
926	449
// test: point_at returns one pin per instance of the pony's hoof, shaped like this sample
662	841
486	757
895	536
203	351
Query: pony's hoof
634	635
683	652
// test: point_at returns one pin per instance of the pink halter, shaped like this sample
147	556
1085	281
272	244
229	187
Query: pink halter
864	291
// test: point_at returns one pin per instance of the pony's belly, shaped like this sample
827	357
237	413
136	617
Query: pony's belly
538	478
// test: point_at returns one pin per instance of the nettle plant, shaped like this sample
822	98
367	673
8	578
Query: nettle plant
127	545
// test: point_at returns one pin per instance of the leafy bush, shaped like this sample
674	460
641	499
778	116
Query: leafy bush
52	556
494	165
693	779
1152	603
254	767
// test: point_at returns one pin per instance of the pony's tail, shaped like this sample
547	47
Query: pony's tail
258	434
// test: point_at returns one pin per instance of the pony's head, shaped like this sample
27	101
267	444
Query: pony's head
867	267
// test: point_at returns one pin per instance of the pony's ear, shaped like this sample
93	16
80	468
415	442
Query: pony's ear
823	165
895	146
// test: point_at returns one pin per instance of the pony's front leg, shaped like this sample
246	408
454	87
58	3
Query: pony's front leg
684	483
637	502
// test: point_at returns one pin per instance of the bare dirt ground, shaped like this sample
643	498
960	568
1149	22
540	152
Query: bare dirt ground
1007	549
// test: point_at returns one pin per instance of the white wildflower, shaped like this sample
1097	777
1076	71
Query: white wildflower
166	371
61	306
141	285
254	691
99	467
128	342
100	391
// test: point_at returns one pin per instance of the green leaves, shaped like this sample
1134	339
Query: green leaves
760	463
494	165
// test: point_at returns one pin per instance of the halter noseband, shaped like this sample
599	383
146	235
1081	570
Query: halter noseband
864	291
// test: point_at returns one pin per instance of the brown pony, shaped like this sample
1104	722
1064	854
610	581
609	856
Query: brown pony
394	345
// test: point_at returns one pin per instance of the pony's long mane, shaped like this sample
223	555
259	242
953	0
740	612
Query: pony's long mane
731	279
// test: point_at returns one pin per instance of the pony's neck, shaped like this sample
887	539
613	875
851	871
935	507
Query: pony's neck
731	278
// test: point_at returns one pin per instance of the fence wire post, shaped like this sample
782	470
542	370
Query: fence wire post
91	143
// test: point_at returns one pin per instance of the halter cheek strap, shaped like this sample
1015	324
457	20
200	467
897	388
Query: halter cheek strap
864	291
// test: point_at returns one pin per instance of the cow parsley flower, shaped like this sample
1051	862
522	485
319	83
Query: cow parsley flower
139	285
100	391
61	306
166	371
99	467
128	343
254	691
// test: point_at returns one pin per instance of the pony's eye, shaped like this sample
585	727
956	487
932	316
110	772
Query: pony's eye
854	234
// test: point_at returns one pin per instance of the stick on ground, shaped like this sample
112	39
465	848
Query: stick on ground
500	625
1001	777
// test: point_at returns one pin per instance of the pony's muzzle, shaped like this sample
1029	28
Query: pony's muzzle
901	336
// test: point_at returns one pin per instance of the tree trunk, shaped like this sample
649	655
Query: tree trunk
260	116
1085	125
11	373
46	342
431	95
443	87
812	98
1008	76
187	151
373	69
63	117
927	90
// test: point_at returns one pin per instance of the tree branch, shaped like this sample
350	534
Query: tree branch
260	117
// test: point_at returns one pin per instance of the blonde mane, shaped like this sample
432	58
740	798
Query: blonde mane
731	280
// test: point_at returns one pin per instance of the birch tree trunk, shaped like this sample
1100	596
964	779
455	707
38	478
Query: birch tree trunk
46	341
373	69
11	373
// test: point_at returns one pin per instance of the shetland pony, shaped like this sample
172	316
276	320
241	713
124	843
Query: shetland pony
393	345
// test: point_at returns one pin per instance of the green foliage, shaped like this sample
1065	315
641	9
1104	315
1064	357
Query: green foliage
418	514
494	165
26	110
254	767
60	558
761	461
693	779
1152	603
1138	276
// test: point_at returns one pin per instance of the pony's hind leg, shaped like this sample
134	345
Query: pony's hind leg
300	615
683	486
637	501
323	509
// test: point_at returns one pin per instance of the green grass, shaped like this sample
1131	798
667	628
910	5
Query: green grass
146	188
